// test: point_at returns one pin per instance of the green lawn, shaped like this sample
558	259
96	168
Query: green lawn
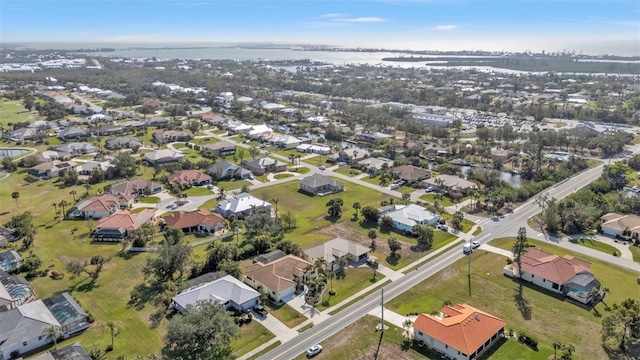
360	341
372	180
351	302
477	231
596	245
251	336
301	170
286	314
265	350
635	251
442	200
511	349
12	111
149	200
282	176
204	141
263	178
232	184
348	171
198	191
317	160
356	280
310	211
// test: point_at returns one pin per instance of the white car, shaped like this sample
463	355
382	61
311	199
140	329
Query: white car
314	350
475	244
322	167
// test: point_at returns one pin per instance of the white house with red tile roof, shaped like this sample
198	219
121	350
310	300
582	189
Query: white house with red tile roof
99	206
566	275
460	331
199	221
120	225
192	177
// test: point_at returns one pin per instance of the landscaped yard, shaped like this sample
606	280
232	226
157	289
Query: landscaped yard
348	171
232	184
635	251
285	313
546	317
360	341
282	176
442	200
198	191
149	200
596	245
357	279
250	336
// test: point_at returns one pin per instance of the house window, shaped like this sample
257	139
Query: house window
420	333
446	346
554	286
544	280
24	343
532	276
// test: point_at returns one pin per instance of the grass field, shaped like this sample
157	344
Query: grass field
282	176
546	317
356	280
266	350
251	336
442	200
596	245
286	314
12	111
348	171
477	231
372	180
635	251
360	341
353	301
198	191
149	200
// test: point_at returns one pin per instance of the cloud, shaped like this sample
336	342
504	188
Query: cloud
362	19
445	27
333	16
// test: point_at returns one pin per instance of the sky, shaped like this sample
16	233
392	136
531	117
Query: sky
592	26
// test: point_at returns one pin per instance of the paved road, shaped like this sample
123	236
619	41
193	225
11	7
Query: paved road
507	226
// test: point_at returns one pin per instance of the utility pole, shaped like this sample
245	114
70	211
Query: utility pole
382	308
469	266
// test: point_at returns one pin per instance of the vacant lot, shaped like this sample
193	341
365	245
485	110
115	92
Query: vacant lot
356	280
360	341
546	317
251	336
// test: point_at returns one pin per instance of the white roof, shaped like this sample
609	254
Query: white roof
164	153
411	215
241	202
222	290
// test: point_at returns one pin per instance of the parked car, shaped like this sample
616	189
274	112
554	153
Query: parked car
260	310
322	167
429	189
475	244
342	163
314	350
443	227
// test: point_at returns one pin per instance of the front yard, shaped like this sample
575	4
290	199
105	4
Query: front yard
357	279
285	313
250	336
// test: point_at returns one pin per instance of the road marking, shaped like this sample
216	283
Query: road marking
539	234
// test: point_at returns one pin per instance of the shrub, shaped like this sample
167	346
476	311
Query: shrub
509	261
528	340
56	275
332	292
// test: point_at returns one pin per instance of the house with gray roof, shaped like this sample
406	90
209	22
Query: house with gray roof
77	148
163	156
22	329
242	205
68	313
73	133
318	184
14	291
405	217
74	351
264	165
226	170
229	291
334	250
21	134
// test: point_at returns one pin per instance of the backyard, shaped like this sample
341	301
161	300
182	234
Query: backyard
546	317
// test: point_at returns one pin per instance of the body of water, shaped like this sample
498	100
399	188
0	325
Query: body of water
11	152
513	180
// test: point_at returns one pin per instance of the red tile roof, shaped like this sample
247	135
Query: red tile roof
461	326
187	176
552	267
125	220
182	220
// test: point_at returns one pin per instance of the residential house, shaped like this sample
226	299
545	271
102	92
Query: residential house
410	173
10	260
314	149
374	165
74	351
157	121
259	132
108	130
22	134
616	224
568	276
14	291
73	133
229	291
405	217
51	169
7	234
264	165
212	118
277	278
163	157
286	141
120	225
371	136
77	148
242	205
99	206
450	183
352	155
163	137
198	221
50	155
459	331
337	251
220	148
189	177
88	167
318	184
226	170
22	329
135	187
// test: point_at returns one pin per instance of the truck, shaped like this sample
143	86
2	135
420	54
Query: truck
466	248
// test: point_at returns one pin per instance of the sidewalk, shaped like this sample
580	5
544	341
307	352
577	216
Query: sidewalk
392	316
496	250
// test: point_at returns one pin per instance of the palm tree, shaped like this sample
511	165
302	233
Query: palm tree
55	209
320	264
275	201
15	195
331	275
73	193
357	206
557	345
52	333
63	204
114	328
307	270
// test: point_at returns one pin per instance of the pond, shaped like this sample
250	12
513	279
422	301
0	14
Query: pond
509	178
11	152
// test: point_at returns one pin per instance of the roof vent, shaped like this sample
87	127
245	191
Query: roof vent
477	317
